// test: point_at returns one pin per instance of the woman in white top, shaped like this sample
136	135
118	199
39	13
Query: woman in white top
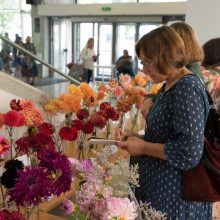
88	57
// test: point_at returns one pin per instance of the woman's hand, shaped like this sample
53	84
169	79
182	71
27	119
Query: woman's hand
134	145
122	134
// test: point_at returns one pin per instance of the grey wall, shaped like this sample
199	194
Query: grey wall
204	17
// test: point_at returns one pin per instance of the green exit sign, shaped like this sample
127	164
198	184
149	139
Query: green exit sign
106	8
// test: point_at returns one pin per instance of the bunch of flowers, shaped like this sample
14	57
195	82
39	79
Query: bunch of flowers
28	185
95	198
23	112
141	79
47	172
212	81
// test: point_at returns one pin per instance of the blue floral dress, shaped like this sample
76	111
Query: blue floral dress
176	119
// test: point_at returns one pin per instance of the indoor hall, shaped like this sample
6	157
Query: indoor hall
59	30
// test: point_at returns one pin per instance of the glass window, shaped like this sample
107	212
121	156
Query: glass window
125	39
104	1
15	17
144	29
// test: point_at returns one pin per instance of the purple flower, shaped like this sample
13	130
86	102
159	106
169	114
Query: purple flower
68	206
59	168
87	165
32	185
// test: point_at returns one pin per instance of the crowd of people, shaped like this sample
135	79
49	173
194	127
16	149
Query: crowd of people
24	66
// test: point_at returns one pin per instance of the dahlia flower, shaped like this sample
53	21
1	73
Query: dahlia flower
122	208
15	105
59	168
68	133
82	114
12	118
32	185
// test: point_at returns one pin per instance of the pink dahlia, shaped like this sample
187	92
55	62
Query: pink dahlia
31	186
122	208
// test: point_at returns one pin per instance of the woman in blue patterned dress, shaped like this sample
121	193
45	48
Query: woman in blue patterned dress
173	140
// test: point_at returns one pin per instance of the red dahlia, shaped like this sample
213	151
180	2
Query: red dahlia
82	114
12	118
15	105
88	127
112	113
77	124
47	128
98	120
104	105
68	133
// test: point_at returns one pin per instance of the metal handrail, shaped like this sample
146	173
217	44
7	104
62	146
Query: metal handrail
72	80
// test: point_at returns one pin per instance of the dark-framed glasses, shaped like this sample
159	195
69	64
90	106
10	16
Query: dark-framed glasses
146	62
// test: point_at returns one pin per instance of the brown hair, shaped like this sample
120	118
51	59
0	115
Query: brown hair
164	47
194	52
212	53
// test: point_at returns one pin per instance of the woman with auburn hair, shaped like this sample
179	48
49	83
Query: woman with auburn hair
193	56
174	137
194	52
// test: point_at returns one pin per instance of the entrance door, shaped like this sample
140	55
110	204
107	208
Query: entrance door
62	44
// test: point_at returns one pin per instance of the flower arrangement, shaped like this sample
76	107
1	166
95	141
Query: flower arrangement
96	197
48	172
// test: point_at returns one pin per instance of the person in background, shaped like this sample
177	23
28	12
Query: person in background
6	55
17	56
88	57
124	64
193	57
172	142
194	52
29	66
211	72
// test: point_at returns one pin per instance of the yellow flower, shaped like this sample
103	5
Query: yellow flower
51	106
75	90
69	102
155	87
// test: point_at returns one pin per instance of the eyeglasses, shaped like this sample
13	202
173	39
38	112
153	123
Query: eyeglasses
146	62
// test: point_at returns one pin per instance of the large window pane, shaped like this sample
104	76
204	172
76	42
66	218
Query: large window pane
125	39
144	29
